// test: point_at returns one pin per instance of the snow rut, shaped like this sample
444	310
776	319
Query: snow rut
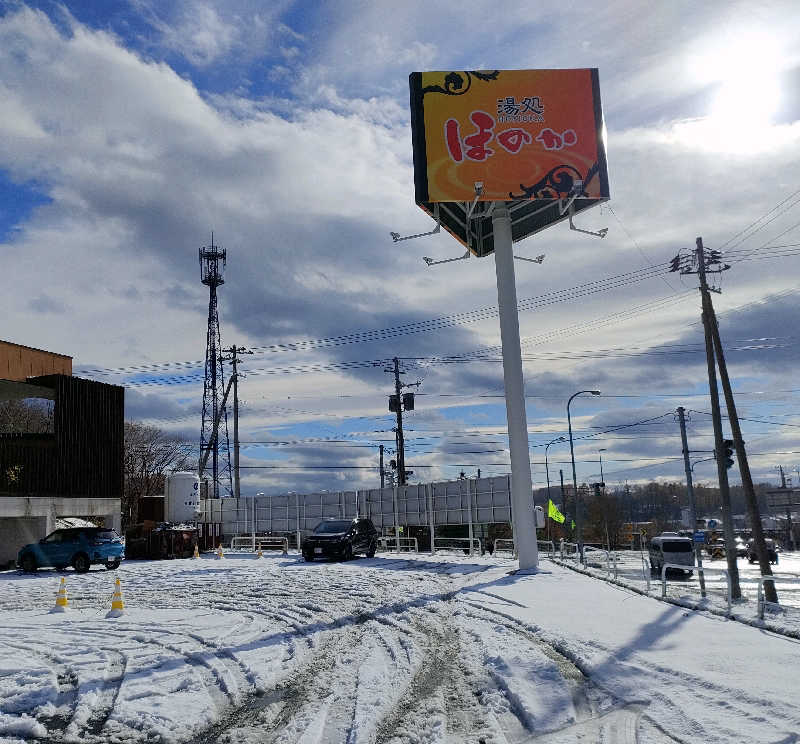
84	700
321	654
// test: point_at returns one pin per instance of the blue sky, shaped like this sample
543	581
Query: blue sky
131	129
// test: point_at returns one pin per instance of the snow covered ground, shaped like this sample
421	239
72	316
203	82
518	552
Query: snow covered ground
391	649
785	617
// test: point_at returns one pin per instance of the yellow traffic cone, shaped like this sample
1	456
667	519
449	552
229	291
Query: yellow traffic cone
196	551
62	604
220	554
117	605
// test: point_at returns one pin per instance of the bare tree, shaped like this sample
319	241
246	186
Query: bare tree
26	416
150	455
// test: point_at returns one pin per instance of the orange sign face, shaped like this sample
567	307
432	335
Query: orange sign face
522	134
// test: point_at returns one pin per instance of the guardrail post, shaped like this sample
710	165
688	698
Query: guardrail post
664	580
728	584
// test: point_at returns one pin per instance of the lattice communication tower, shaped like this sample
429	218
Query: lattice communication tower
215	416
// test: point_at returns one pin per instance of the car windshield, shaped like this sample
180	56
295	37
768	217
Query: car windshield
105	536
677	546
332	527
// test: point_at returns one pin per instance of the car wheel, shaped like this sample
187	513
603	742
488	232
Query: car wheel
112	565
308	557
81	563
28	563
347	552
373	546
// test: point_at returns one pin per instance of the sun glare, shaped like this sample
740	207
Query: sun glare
747	93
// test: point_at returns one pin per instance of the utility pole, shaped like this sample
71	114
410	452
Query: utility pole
397	403
790	533
722	471
690	492
711	329
741	455
381	465
234	351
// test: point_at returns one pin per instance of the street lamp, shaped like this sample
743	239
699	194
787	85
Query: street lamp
260	493
546	468
578	517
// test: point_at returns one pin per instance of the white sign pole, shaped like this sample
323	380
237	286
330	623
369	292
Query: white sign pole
521	484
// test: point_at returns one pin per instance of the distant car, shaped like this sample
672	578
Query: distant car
79	547
741	548
669	547
772	551
342	539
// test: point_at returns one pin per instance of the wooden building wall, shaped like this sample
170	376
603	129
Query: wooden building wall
19	362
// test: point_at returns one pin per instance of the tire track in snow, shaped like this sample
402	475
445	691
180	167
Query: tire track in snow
67	688
601	715
222	691
289	705
437	704
105	699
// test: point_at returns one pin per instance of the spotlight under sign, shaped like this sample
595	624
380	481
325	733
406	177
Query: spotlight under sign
533	138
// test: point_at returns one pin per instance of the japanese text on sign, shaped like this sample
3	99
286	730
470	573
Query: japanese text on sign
474	146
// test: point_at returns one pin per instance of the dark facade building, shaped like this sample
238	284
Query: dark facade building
75	467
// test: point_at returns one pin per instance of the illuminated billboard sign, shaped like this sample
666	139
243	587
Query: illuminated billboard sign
531	137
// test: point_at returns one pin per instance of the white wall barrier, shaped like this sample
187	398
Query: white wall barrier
461	502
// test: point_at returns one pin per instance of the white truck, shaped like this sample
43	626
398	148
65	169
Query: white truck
669	547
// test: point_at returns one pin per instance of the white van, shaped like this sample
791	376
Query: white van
669	547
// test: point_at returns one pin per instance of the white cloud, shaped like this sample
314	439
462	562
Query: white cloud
141	166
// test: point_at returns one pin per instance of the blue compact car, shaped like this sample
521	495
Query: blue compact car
79	547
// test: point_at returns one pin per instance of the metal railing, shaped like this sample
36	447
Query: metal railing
501	542
547	546
568	550
646	569
258	543
410	543
762	600
700	570
610	559
471	544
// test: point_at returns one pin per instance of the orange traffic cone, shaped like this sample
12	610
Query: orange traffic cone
117	605
259	554
62	603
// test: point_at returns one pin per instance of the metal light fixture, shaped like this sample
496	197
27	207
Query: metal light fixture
578	516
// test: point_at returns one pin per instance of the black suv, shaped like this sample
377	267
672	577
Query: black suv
341	538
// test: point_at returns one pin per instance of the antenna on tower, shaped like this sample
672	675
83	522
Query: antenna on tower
213	259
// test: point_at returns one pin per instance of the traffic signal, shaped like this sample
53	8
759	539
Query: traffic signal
727	446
